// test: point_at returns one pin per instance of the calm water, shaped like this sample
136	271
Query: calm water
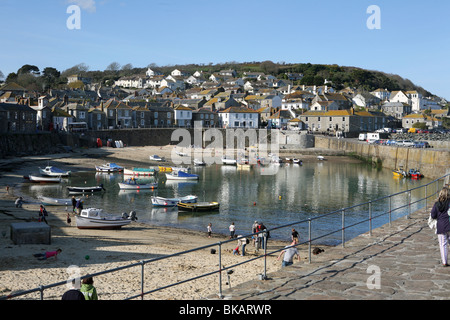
293	193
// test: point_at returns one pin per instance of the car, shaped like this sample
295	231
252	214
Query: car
421	144
406	143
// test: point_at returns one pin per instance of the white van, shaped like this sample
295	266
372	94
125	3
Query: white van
362	137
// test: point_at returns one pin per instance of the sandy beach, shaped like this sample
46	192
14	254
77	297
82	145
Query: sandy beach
94	251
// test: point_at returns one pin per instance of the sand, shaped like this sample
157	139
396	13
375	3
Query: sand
94	251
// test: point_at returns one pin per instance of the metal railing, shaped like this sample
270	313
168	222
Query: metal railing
429	190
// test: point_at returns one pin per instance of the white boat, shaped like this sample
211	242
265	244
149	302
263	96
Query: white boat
199	162
139	172
229	162
53	172
297	161
76	190
38	179
47	201
321	158
109	167
181	175
172	202
276	159
183	169
134	184
156	158
92	218
181	154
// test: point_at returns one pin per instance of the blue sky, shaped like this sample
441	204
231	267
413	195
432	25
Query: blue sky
414	39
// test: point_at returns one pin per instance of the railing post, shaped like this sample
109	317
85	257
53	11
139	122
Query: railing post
41	292
142	280
390	209
343	228
426	196
265	257
370	217
220	270
409	204
309	235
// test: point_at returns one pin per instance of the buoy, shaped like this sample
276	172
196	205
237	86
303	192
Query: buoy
279	197
254	203
86	257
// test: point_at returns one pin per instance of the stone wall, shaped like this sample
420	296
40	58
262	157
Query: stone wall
433	163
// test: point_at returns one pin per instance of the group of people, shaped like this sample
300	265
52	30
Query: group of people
87	291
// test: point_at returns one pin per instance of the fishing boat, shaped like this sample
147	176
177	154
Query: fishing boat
172	202
75	190
181	175
92	218
228	161
53	172
415	174
39	179
181	154
400	173
140	172
199	162
199	206
135	184
156	158
48	201
244	164
109	167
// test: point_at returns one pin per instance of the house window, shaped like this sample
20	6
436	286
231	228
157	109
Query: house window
111	113
168	115
99	117
201	116
156	115
127	113
143	122
236	123
82	115
142	114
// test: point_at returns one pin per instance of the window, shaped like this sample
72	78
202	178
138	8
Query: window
99	117
156	115
142	114
82	115
143	122
111	113
169	115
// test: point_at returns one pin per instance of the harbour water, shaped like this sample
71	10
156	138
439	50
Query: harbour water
275	195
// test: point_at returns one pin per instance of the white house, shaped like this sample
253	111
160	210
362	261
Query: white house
183	116
366	100
412	98
151	73
179	73
382	94
324	106
239	117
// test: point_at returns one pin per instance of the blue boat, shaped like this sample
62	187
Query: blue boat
181	175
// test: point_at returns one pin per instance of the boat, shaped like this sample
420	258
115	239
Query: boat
134	184
53	172
244	164
184	169
48	201
415	174
199	162
228	161
156	158
39	179
164	169
321	158
181	154
75	190
297	161
92	218
276	159
109	167
181	175
399	173
140	172
172	202
199	206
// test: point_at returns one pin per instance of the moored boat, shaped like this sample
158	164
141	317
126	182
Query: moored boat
109	167
135	184
38	179
156	158
164	169
181	175
139	172
415	174
172	202
199	162
76	190
199	206
92	218
228	161
399	173
53	172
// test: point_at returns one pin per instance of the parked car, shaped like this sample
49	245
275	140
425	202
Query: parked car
421	144
406	143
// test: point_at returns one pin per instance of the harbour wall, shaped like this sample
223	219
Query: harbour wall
432	162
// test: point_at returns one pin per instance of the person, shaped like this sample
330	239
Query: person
42	214
19	202
88	289
242	242
74	203
232	229
209	230
263	235
289	253
236	250
73	293
255	227
440	213
79	206
48	254
294	236
68	219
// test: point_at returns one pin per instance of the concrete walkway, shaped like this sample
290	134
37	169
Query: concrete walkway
400	261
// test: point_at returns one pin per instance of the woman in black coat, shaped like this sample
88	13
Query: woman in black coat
440	213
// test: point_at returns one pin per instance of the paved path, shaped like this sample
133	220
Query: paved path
406	254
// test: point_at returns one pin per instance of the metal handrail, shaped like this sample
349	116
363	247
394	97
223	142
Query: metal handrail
222	268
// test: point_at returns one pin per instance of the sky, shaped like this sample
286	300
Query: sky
410	38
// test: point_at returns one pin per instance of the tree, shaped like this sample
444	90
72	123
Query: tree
28	69
113	66
1	75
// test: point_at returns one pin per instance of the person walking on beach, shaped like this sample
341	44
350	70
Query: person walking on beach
440	213
74	203
294	235
289	253
88	289
48	254
232	229
79	206
42	214
209	230
19	202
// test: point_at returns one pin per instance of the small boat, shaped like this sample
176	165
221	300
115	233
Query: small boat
244	164
199	206
415	174
399	173
134	184
109	167
53	172
38	179
321	158
92	218
181	154
156	158
47	201
140	172
297	161
199	162
181	175
75	190
229	162
276	159
165	169
172	202
184	169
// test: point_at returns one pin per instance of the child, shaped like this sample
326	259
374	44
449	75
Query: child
48	254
